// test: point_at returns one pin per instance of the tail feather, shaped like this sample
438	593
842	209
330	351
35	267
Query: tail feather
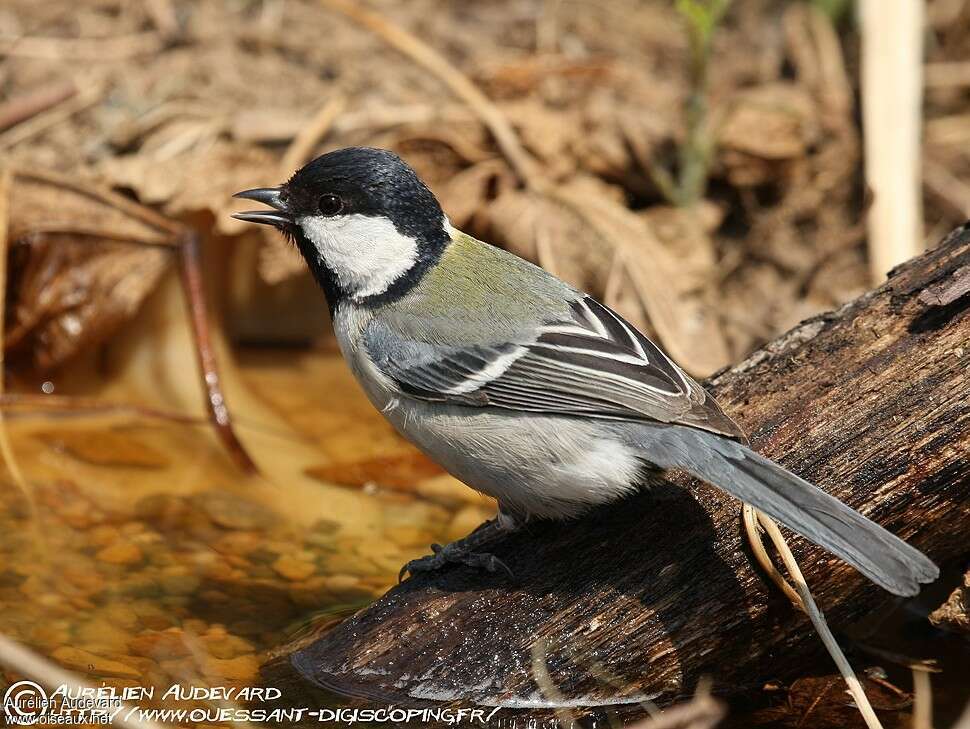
881	556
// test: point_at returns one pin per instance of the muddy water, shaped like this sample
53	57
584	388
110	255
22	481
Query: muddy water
142	557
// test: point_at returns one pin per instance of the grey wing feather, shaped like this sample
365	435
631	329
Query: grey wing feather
594	364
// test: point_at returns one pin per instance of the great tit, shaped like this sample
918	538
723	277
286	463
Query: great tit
516	383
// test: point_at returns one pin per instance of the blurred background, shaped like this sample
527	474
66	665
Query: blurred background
716	170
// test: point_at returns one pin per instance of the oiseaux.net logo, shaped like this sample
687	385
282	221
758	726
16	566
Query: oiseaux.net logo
25	702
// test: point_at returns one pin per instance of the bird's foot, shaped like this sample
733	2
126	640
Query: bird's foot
453	553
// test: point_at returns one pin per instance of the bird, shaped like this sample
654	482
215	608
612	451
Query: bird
516	383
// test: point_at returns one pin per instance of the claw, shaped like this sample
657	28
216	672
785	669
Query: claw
453	554
495	564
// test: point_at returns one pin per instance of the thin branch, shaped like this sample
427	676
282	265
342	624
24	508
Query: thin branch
103	195
215	401
47	405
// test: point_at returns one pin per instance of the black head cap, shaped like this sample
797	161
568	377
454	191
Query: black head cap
356	181
368	181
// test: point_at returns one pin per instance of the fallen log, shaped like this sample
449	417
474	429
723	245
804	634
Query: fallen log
640	599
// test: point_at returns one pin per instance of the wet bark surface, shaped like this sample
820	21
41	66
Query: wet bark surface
641	598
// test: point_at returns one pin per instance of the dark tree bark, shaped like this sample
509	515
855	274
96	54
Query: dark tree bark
641	598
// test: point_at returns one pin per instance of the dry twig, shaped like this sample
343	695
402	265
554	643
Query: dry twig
53	114
23	107
194	288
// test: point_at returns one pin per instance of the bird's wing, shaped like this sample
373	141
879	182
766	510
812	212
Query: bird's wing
593	364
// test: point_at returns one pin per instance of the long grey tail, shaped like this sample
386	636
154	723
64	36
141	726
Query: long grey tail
882	557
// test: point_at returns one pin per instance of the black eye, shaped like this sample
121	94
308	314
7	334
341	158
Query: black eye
330	204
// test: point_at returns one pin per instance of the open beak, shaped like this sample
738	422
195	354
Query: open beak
278	216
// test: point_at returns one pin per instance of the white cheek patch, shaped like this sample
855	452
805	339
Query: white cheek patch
366	254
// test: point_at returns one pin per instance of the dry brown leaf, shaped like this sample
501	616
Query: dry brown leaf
547	133
542	230
82	262
775	121
467	194
195	178
955	612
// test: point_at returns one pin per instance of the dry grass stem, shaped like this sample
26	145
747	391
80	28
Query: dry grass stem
312	134
544	681
701	712
807	604
922	699
892	62
752	529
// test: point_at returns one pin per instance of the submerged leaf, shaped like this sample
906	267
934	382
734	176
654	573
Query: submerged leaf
400	472
103	447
